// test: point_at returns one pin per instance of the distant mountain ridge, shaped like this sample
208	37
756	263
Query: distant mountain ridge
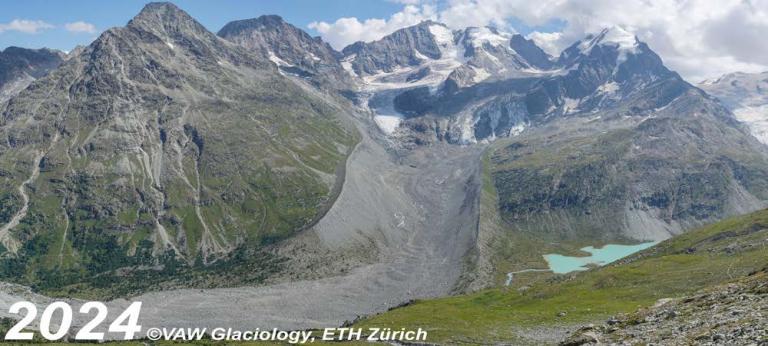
290	48
20	66
432	84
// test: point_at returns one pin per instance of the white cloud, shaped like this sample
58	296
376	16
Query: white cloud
25	25
348	30
80	26
698	38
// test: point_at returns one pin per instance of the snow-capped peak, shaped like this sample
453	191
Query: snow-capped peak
613	36
477	36
443	36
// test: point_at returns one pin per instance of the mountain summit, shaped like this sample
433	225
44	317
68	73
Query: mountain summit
290	48
166	147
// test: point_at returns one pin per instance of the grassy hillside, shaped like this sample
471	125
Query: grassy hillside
714	254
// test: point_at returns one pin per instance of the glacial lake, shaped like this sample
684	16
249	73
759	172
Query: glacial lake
599	256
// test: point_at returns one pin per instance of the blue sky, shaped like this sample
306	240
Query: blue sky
212	14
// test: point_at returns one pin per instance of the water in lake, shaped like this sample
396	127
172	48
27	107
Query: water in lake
600	256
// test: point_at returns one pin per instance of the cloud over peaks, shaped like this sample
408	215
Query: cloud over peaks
80	26
25	25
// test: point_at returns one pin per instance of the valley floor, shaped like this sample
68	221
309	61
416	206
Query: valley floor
419	212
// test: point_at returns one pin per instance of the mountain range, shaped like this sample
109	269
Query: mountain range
20	66
163	157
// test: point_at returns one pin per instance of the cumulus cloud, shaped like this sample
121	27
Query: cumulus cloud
80	26
698	38
350	29
25	25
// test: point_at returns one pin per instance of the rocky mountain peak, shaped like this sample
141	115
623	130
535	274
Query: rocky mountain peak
165	19
408	46
264	22
614	55
616	36
532	53
612	38
293	50
171	110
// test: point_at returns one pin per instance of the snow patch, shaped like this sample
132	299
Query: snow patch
279	62
443	36
518	129
756	119
346	64
388	123
624	39
625	42
608	88
570	105
480	74
479	36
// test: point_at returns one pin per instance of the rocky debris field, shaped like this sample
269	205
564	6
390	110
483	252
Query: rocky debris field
731	314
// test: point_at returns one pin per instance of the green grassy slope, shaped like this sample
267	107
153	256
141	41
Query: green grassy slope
707	256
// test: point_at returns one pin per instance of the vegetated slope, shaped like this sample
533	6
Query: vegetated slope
705	257
669	172
21	66
159	149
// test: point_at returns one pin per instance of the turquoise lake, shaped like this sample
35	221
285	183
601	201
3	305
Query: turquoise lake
600	256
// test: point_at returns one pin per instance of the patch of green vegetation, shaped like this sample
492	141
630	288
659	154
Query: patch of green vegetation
704	257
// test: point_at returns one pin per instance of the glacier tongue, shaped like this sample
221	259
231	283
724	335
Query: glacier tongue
756	117
746	95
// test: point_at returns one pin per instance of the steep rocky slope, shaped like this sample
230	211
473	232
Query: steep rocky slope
607	143
291	49
635	152
729	314
21	66
159	153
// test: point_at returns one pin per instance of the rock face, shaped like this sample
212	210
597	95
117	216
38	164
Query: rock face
731	314
405	47
651	156
612	144
746	95
290	48
466	57
21	66
528	50
608	144
164	147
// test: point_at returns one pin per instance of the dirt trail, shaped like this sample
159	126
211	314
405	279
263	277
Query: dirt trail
421	212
